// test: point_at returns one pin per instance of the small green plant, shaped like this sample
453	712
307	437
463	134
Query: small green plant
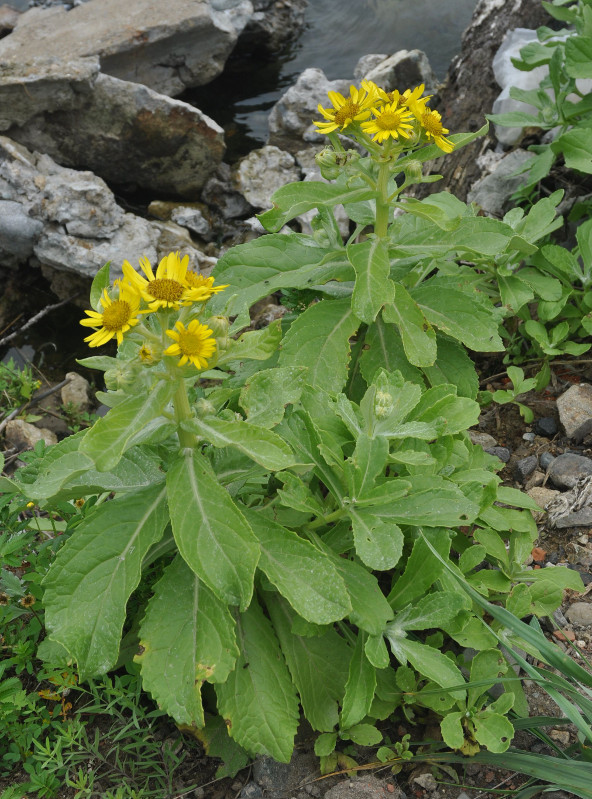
17	385
520	386
76	418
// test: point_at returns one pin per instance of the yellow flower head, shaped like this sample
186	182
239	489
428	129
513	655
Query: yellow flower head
168	288
115	318
389	121
203	284
347	109
431	122
194	343
146	354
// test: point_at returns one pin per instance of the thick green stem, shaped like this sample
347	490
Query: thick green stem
382	204
183	412
324	520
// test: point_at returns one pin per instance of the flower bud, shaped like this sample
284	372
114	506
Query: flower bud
204	407
383	404
218	325
414	171
332	163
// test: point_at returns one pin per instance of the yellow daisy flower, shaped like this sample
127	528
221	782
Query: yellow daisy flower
347	109
193	343
389	120
205	284
115	318
168	288
431	122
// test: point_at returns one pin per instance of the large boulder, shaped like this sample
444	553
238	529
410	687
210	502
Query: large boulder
186	44
70	221
122	131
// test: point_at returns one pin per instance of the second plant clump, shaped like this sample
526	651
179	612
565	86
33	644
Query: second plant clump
308	492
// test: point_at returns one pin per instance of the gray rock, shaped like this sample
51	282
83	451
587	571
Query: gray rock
273	24
251	791
187	46
546	459
580	613
366	787
290	119
546	426
18	232
406	69
481	438
22	435
529	437
193	219
264	171
575	411
368	63
122	131
568	468
220	194
492	191
525	466
279	780
503	453
580	518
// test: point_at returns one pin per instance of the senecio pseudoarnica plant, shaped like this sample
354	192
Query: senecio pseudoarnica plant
301	486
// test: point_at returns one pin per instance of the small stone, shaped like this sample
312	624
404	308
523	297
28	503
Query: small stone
537	478
583	539
483	439
251	791
562	736
560	618
542	495
23	435
359	788
567	469
564	635
76	391
580	613
526	466
582	571
545	426
546	459
503	453
427	782
538	554
529	436
575	411
193	219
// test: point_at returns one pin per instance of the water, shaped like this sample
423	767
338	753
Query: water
337	34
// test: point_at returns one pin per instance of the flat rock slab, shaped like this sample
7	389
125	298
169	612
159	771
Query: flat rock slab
575	411
168	48
568	468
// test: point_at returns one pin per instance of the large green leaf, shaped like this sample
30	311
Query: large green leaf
319	339
453	365
429	662
265	395
318	665
578	56
378	544
383	349
370	609
264	446
187	636
94	574
373	287
257	345
431	502
361	684
576	150
212	535
459	315
297	198
417	334
110	436
302	573
258	700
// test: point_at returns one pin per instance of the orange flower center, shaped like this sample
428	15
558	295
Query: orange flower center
165	289
432	124
389	120
116	315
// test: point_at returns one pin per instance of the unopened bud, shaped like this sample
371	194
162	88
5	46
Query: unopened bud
383	404
332	163
218	325
414	170
204	407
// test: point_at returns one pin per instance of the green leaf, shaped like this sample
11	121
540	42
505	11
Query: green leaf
453	365
548	288
433	610
363	734
297	198
110	436
452	731
94	574
318	666
370	610
516	119
217	743
187	637
427	210
300	572
212	535
378	544
429	662
422	569
319	339
417	334
261	445
265	395
383	349
257	345
514	292
373	288
100	282
258	701
493	731
325	744
575	148
459	315
578	56
360	687
432	502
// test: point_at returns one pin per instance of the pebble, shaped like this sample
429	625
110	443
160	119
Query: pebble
580	613
503	453
525	466
575	411
483	439
251	791
529	436
546	459
566	469
23	435
546	426
562	736
583	572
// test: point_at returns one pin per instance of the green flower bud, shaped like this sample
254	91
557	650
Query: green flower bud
414	171
218	325
332	163
383	404
204	407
